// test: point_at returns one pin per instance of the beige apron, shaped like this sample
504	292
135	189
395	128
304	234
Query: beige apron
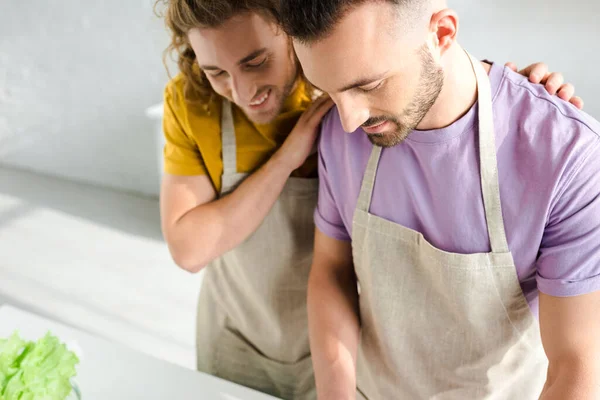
252	317
439	325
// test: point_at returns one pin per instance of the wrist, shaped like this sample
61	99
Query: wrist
283	162
337	381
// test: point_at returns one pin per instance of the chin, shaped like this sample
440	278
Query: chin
388	139
263	117
380	141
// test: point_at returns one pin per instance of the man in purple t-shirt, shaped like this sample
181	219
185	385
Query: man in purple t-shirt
457	253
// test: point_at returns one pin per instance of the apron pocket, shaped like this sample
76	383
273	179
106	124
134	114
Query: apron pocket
238	361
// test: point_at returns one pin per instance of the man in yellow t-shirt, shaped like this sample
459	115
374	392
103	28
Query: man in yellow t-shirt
240	187
193	134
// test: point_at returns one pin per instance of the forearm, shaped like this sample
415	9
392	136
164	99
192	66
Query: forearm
572	380
334	333
211	229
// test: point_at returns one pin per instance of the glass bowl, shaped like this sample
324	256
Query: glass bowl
75	393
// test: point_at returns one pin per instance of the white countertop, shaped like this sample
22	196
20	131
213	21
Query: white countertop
111	371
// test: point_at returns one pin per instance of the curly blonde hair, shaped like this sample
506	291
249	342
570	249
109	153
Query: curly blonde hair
183	15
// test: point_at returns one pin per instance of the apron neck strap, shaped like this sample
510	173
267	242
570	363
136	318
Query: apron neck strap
487	160
366	190
229	149
490	185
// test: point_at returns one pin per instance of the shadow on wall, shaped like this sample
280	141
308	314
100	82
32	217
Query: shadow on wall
128	213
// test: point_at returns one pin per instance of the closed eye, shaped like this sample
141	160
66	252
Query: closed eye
256	64
214	74
371	87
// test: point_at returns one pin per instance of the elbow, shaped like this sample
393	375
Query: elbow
186	254
187	260
189	265
192	254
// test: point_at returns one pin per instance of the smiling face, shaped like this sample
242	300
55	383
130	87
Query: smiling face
382	79
249	61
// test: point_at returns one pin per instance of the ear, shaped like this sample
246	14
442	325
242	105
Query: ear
443	29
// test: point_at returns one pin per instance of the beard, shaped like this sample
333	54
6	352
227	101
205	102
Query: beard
280	94
431	82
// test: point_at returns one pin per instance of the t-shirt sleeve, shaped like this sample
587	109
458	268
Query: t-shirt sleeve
181	153
328	218
569	260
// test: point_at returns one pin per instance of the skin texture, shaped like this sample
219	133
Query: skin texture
258	59
372	73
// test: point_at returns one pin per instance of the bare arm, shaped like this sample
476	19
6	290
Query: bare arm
570	333
198	227
333	318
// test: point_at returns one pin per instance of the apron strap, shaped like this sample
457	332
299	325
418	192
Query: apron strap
490	185
366	190
228	138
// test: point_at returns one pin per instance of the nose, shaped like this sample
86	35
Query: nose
242	90
352	113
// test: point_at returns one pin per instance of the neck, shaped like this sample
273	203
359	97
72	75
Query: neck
458	94
289	102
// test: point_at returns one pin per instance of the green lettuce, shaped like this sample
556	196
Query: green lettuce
39	370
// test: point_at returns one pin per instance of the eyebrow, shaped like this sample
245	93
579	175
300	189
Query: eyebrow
244	60
362	82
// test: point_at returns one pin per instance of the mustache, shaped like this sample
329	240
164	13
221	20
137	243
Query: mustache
374	121
262	91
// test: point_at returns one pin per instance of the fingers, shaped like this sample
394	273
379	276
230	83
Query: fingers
316	103
511	65
536	73
323	109
566	92
554	82
318	109
577	102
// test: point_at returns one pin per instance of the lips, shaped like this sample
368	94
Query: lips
375	129
261	99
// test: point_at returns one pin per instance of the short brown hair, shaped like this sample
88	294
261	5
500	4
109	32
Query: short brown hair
312	20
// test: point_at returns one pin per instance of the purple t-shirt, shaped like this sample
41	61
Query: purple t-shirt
549	173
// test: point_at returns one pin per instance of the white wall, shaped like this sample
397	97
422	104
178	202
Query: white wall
75	79
76	76
564	34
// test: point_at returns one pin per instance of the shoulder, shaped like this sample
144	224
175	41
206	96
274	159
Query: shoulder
543	124
549	139
535	109
184	102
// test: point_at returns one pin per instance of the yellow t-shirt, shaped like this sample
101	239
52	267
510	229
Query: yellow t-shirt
193	135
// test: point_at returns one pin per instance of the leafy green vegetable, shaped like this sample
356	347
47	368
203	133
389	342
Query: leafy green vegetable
35	371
